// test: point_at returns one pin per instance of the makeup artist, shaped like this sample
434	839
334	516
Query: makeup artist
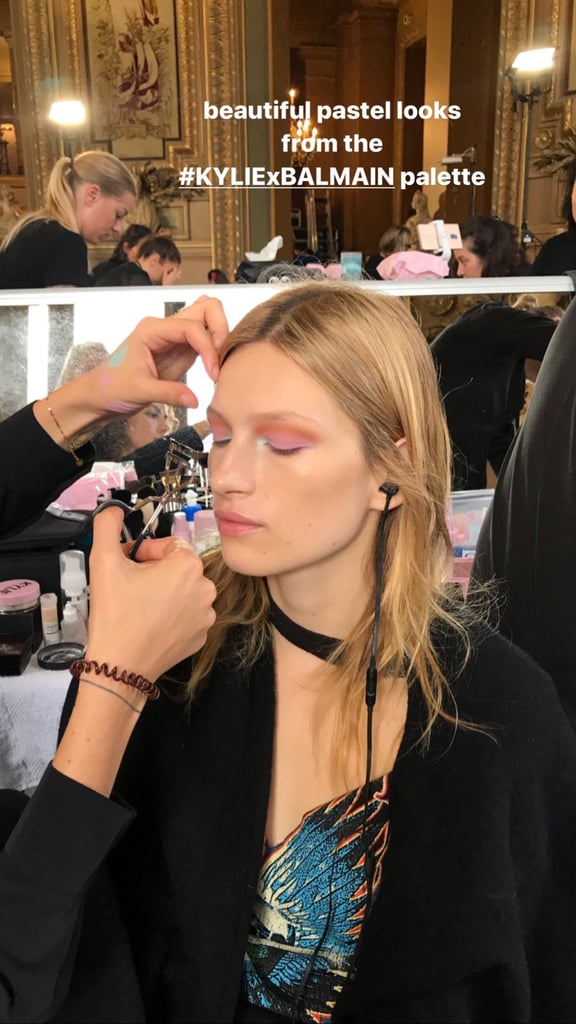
46	445
87	200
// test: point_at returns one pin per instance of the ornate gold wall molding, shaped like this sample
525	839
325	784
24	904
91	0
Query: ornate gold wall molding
515	21
224	50
33	60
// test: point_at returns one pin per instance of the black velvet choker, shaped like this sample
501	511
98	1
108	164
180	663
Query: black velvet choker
314	643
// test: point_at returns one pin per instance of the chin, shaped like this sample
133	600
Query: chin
259	564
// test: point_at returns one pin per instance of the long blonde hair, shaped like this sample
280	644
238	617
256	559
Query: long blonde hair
370	355
94	167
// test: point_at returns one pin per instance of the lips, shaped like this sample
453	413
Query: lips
233	524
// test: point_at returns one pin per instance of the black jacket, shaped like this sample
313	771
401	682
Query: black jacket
33	469
44	254
480	359
556	256
475	919
528	539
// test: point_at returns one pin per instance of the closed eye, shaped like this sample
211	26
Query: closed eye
284	451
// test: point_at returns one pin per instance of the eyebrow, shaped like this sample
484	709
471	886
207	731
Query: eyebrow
275	416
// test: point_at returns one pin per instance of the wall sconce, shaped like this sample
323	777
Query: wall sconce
530	78
67	115
303	133
470	154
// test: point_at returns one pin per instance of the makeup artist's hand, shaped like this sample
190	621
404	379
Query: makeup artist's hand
145	368
147	615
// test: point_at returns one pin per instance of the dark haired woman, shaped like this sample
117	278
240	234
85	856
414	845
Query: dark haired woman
558	254
126	251
490	248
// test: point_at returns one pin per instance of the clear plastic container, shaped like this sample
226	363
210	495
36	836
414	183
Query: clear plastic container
206	531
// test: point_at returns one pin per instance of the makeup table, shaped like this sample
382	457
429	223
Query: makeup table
30	709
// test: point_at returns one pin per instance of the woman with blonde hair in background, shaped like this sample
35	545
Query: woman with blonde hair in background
362	807
87	200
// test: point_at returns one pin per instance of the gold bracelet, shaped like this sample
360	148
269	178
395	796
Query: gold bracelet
90	682
71	446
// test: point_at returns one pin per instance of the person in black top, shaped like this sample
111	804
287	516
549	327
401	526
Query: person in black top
87	200
357	773
158	262
558	254
480	359
126	250
528	539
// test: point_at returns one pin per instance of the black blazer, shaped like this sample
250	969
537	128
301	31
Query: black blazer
475	919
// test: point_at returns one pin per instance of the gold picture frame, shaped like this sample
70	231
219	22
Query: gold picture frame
132	75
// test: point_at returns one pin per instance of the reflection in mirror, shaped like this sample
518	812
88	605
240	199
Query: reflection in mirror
35	336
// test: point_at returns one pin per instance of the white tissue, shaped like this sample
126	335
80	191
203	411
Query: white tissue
268	252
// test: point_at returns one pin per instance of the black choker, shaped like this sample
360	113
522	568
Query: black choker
314	643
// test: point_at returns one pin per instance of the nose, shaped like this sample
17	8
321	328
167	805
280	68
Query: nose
118	227
232	469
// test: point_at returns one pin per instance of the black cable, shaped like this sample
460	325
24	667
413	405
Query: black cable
370	696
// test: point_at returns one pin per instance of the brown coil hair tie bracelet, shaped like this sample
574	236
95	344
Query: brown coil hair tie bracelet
82	667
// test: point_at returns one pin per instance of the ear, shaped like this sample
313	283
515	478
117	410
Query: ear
380	498
92	194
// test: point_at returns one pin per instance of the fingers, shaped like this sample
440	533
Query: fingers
151	550
171	393
107	526
211	312
184	331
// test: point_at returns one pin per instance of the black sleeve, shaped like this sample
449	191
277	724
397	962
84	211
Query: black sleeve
530	539
543	842
68	258
48	863
33	469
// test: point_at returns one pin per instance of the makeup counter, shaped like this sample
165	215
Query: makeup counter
37	328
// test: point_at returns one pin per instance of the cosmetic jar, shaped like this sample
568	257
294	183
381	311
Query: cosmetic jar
20	614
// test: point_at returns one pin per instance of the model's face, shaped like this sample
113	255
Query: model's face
292	488
100	216
469	264
148	425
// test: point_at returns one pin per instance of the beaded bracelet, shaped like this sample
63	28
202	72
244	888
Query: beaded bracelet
82	666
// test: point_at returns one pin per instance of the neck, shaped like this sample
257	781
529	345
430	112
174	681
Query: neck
325	605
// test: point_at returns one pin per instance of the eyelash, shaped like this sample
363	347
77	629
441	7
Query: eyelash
277	451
